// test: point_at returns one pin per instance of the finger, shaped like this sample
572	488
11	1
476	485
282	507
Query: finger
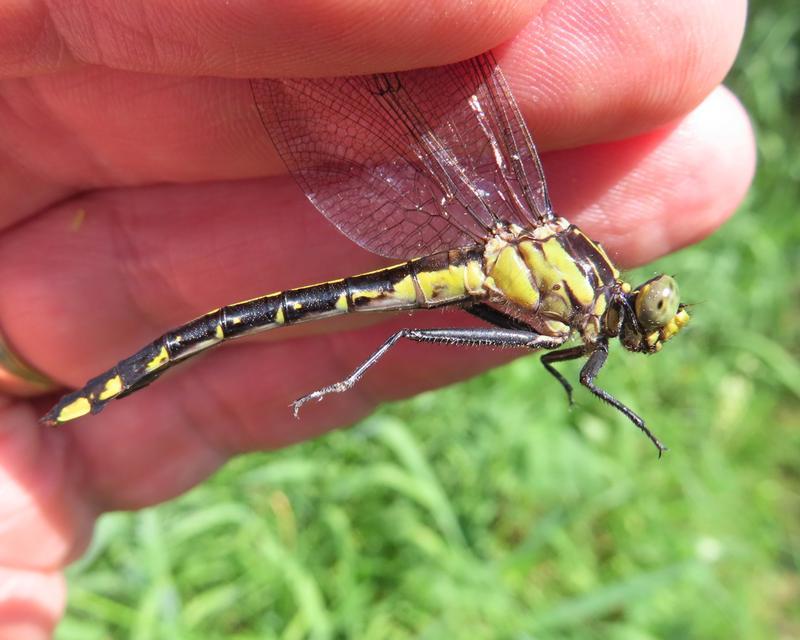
597	71
579	79
32	603
47	520
46	523
251	38
656	193
75	301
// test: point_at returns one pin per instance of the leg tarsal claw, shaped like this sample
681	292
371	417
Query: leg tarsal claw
318	395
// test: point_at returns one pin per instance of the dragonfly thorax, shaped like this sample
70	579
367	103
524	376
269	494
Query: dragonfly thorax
552	278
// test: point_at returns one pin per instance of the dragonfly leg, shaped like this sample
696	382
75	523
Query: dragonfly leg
500	319
488	337
589	372
560	356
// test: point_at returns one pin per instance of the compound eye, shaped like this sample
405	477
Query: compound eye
657	302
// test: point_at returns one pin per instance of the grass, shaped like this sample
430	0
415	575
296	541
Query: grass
443	517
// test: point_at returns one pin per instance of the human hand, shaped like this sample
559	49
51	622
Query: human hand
83	131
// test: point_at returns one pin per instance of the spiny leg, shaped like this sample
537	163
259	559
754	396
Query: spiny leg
560	356
489	337
589	372
498	318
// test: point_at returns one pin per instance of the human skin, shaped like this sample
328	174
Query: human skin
103	111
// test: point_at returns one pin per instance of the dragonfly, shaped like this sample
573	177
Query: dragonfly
436	169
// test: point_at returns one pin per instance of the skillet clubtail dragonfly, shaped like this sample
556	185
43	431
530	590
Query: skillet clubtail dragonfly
434	167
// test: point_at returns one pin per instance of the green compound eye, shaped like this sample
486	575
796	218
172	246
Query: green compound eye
657	302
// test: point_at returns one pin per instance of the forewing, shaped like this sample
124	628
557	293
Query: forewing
413	162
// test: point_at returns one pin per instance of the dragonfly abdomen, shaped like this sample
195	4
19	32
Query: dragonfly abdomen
440	279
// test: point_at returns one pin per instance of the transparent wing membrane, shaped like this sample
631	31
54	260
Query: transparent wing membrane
413	162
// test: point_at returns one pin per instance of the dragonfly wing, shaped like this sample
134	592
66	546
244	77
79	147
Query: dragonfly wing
412	162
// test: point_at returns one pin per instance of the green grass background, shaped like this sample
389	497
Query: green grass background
487	510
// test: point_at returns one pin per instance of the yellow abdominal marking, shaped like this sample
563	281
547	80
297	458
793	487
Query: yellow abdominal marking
341	303
368	294
161	359
405	290
74	409
279	317
443	284
113	387
511	276
297	306
219	332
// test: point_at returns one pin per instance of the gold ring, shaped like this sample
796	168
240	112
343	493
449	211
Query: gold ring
18	378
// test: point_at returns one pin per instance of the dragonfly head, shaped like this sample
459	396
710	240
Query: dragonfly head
652	314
